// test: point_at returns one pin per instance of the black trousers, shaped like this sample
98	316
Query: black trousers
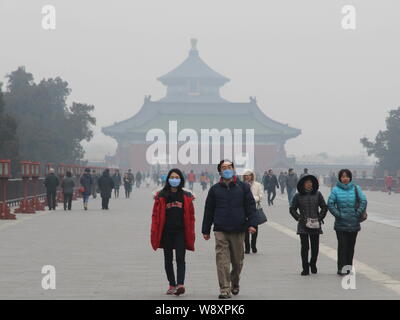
170	241
271	192
116	191
51	199
104	203
346	244
306	240
67	201
253	240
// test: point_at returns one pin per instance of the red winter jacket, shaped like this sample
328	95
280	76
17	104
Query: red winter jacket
158	220
389	181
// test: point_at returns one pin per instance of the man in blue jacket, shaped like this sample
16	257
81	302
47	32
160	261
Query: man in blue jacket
231	207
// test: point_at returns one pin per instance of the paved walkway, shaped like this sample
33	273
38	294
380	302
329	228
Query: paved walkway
107	255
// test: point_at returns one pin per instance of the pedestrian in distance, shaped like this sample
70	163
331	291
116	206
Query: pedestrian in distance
106	185
173	228
117	183
282	182
86	182
127	185
67	186
191	179
270	182
291	184
348	204
389	184
257	191
231	208
51	183
95	177
308	207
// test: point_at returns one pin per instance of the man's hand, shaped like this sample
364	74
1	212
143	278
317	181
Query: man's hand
206	236
252	230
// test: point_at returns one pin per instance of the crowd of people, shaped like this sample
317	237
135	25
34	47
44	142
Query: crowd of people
233	208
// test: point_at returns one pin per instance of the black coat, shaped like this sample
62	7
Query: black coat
106	184
86	182
310	204
51	182
270	182
229	208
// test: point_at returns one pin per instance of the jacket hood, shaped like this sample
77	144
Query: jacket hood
247	172
300	184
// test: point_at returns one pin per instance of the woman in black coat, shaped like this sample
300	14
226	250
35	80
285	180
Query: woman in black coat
106	184
312	211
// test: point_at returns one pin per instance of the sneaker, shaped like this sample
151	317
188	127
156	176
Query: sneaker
224	295
235	291
180	290
171	290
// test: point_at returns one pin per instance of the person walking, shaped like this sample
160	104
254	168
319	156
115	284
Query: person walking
105	184
231	208
117	183
271	183
67	186
95	178
191	179
51	183
257	191
308	207
86	182
173	227
127	185
291	184
138	179
347	203
282	182
389	184
305	173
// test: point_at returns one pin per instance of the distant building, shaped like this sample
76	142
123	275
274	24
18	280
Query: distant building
194	101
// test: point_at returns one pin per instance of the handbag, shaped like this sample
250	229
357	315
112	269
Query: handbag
313	223
364	214
81	190
261	217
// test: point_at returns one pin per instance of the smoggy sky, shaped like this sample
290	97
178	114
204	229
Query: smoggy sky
305	70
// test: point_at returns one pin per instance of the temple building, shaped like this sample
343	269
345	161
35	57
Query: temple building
193	102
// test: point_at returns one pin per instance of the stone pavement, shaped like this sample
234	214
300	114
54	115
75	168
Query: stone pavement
107	255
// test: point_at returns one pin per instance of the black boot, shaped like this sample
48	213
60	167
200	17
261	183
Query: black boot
313	268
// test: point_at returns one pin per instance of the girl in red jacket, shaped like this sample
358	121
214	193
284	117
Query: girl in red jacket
172	227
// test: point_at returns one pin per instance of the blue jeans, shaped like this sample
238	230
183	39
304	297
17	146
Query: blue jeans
85	197
290	193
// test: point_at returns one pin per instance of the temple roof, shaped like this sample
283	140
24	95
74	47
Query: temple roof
201	116
193	67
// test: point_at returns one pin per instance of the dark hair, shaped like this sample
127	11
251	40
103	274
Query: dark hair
347	172
87	170
167	186
222	161
68	174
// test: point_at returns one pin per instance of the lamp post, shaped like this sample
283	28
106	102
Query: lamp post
36	204
5	173
26	172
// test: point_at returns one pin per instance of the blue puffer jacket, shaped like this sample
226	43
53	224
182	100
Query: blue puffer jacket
341	204
231	208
